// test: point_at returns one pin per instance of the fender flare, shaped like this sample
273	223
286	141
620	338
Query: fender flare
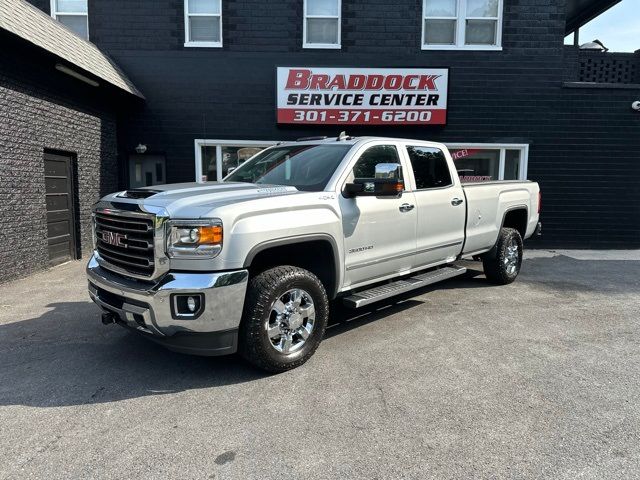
280	242
493	251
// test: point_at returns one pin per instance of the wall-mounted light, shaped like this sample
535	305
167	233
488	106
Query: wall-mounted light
76	75
141	148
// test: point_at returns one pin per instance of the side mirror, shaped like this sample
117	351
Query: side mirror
387	183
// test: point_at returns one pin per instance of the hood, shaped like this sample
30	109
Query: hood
194	200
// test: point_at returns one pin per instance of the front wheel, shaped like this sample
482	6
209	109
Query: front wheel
502	266
284	319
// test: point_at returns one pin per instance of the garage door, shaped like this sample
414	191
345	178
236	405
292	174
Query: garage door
61	228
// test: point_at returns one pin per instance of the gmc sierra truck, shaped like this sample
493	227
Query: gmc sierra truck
252	264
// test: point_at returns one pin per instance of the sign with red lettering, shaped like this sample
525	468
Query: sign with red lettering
362	96
463	153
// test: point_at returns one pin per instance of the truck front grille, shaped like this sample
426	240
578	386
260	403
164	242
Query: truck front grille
126	242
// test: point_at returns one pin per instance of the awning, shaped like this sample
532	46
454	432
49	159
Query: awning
36	27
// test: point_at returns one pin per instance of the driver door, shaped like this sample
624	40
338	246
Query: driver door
379	232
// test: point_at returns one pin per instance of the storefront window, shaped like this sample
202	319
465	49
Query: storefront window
233	157
511	165
477	163
209	163
215	159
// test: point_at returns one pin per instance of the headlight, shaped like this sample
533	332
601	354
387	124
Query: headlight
194	238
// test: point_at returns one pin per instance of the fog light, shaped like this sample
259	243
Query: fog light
191	304
187	306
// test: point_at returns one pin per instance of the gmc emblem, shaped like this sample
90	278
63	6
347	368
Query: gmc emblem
115	239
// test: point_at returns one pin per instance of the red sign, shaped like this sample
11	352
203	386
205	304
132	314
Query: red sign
362	96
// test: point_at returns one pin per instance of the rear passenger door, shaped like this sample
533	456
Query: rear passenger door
439	204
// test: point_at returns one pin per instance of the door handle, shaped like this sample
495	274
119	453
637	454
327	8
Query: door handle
405	207
456	201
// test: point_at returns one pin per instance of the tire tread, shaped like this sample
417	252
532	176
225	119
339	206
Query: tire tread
494	263
260	292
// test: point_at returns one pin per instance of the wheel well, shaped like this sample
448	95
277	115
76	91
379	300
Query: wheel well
317	256
517	219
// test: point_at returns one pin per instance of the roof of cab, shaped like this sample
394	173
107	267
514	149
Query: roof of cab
356	140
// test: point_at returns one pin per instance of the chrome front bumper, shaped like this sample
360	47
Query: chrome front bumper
147	306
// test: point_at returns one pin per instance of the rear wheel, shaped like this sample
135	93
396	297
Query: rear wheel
284	320
502	266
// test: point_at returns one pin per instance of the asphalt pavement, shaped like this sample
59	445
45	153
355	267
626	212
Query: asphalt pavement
538	379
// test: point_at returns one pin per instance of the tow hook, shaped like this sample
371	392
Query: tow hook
108	318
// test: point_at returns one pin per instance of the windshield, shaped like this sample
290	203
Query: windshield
306	167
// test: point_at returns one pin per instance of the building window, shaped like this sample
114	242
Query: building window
462	24
215	159
203	23
321	28
487	162
72	14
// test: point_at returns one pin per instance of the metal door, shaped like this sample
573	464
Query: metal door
59	198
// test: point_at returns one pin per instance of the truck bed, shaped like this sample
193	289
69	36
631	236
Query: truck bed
488	203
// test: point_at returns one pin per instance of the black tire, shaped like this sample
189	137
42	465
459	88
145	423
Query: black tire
496	262
254	344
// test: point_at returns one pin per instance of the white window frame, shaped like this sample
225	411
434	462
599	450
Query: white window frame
461	18
503	147
194	43
200	142
55	13
305	44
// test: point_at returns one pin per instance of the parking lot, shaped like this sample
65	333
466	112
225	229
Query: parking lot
537	379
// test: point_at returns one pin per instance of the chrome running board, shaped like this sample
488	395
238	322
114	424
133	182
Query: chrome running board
388	290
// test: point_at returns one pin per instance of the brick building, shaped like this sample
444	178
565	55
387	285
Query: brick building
59	101
520	104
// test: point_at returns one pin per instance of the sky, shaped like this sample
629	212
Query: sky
618	28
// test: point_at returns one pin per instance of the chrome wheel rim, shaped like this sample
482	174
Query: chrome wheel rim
512	257
291	321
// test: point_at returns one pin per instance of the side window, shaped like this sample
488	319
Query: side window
429	167
365	167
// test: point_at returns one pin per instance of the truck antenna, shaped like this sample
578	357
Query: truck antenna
342	137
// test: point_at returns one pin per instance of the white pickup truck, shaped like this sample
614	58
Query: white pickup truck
252	264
